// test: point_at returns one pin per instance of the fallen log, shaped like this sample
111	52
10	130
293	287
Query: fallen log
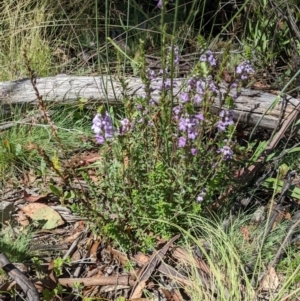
252	106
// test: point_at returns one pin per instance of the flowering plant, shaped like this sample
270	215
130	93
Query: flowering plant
166	157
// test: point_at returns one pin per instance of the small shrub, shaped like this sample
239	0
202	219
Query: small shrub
164	158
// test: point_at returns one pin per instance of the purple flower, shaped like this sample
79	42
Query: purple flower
181	142
152	102
234	84
166	84
199	116
194	151
100	139
190	124
226	152
192	134
183	124
150	74
203	58
191	83
208	57
201	196
226	119
197	98
212	86
184	97
221	126
211	59
102	127
160	3
125	126
244	69
161	72
199	86
176	112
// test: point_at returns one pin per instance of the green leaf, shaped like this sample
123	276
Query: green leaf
259	150
229	102
57	191
277	185
297	122
293	150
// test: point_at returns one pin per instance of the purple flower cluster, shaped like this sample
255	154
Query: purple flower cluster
189	126
226	119
103	127
208	57
198	87
125	126
226	152
166	85
244	69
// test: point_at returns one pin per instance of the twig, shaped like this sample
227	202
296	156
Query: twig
27	287
93	281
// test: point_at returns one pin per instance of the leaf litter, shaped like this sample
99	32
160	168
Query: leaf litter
94	265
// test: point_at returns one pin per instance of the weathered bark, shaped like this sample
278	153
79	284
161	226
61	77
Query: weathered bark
251	106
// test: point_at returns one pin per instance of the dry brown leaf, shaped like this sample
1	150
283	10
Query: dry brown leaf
121	257
71	237
76	255
245	233
22	218
227	77
270	281
261	86
43	214
84	159
33	198
51	274
172	296
288	216
138	290
141	258
93	250
29	178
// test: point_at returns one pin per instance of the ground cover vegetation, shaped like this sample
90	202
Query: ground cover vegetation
120	182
